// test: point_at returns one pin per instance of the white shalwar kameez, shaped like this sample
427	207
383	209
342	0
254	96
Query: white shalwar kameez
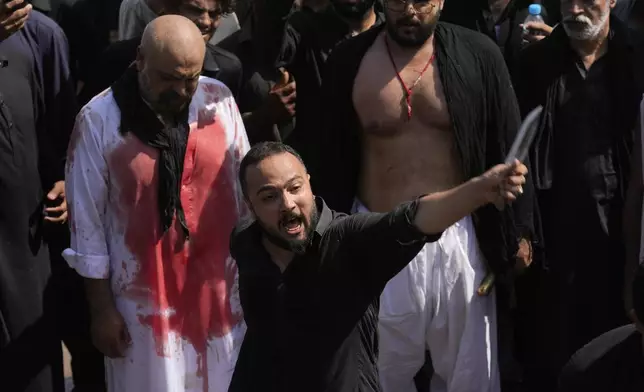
432	305
177	294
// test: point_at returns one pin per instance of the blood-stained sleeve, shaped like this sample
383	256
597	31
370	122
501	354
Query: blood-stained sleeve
239	148
86	190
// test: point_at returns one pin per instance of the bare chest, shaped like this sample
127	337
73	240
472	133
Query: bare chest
386	92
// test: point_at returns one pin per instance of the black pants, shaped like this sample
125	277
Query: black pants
556	318
73	319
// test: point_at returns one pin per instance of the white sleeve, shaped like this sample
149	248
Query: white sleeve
240	148
86	192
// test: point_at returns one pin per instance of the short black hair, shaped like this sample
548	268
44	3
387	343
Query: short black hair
258	153
638	293
226	6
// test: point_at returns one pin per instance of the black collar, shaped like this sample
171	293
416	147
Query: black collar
210	62
325	214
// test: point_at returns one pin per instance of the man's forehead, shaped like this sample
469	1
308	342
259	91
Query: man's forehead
276	170
209	5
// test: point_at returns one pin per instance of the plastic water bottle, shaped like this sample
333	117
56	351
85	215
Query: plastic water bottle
534	15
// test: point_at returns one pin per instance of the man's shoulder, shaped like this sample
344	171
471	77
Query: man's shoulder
224	57
44	28
103	106
458	36
212	90
354	48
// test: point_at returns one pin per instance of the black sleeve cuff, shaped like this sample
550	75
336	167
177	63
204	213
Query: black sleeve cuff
408	233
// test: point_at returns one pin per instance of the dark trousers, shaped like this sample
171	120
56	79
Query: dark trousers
73	319
557	314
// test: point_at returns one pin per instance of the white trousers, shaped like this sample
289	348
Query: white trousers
432	305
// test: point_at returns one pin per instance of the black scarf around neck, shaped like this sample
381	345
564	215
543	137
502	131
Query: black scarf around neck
171	140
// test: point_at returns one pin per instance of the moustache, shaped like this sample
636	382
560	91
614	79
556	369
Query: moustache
577	19
169	97
290	217
408	22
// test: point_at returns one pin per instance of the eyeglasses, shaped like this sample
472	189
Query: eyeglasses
419	6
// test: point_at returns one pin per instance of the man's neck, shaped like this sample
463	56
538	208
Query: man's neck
591	50
360	26
280	256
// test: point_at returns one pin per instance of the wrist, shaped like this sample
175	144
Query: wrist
478	191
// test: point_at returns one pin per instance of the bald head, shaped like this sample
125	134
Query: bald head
173	35
169	61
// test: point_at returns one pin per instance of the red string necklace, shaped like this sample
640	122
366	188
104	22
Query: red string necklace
408	90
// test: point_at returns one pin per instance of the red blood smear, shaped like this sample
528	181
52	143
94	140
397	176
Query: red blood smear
186	281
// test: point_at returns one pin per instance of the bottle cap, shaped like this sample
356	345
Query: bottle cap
534	9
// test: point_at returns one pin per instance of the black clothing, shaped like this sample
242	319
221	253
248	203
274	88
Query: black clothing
90	26
612	362
622	9
36	116
314	327
505	31
138	119
300	43
255	89
581	164
218	64
479	96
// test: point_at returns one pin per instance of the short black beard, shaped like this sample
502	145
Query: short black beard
425	33
298	247
354	12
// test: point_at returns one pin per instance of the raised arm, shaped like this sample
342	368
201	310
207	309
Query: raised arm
384	243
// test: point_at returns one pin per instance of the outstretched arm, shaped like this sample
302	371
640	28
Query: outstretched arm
382	244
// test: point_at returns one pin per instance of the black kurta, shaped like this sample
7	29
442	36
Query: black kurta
35	121
580	162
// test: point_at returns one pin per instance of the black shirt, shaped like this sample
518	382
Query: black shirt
314	326
218	64
90	26
301	43
612	362
580	160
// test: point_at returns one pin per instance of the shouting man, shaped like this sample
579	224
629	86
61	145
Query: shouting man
151	185
423	106
310	278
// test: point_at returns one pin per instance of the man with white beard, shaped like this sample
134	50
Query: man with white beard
586	76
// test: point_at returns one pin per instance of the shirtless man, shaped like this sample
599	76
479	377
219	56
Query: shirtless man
420	105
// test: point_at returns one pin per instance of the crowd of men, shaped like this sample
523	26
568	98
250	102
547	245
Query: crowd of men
311	195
